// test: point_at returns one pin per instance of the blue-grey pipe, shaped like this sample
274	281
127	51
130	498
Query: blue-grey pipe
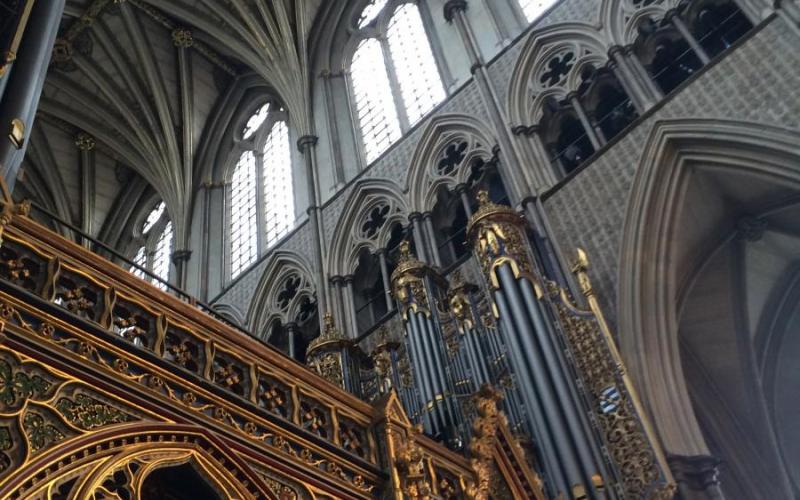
429	403
553	466
577	418
24	87
548	383
418	369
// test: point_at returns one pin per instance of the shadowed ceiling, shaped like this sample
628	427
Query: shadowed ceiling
139	93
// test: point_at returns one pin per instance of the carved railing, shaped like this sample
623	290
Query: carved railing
59	298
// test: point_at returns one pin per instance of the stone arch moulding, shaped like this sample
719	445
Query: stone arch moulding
280	266
230	312
96	456
348	239
620	18
526	92
646	287
424	179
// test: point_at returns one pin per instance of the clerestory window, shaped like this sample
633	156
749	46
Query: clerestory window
533	9
394	77
154	253
261	194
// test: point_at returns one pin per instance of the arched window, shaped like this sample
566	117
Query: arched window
278	195
244	226
533	9
154	252
394	77
261	193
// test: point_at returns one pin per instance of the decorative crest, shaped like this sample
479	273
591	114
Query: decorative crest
497	234
330	336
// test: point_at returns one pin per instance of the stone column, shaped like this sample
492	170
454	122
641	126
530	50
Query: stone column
181	258
588	127
642	94
86	145
349	299
461	190
306	144
387	284
427	221
645	78
337	282
23	89
291	339
419	236
673	17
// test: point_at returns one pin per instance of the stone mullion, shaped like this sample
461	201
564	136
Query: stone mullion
261	204
394	84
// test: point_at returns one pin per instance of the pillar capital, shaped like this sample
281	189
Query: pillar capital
451	7
179	256
307	141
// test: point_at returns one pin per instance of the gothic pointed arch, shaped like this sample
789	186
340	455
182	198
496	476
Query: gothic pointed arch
371	210
551	65
657	248
450	145
285	283
119	460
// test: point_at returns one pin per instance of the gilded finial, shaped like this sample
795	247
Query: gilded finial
581	262
329	324
483	197
405	250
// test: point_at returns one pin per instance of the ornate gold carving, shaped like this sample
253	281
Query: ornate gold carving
632	446
324	355
491	440
409	460
88	413
408	283
498	237
460	304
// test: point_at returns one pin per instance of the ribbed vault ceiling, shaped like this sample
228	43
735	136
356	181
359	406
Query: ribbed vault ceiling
147	79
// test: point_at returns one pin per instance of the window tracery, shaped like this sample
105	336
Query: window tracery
394	77
260	197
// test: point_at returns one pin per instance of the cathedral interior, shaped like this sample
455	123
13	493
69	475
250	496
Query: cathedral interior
400	249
